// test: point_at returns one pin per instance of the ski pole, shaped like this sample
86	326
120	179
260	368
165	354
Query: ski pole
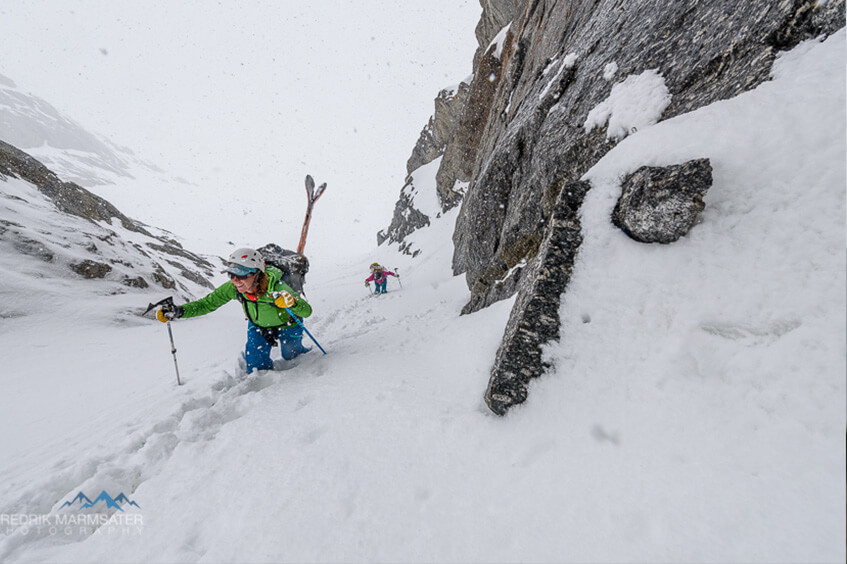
397	271
168	302
300	323
173	352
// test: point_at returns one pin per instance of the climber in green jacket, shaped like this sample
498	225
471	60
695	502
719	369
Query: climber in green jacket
266	301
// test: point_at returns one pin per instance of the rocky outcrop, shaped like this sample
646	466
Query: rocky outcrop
432	141
453	132
662	204
541	135
564	60
441	126
407	219
658	204
535	316
73	230
496	14
540	113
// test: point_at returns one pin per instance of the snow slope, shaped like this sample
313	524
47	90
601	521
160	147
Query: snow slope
695	412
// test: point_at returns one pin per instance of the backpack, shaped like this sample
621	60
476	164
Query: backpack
294	266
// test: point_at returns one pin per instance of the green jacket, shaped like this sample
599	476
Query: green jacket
262	312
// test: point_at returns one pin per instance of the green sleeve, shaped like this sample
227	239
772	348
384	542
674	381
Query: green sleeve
221	295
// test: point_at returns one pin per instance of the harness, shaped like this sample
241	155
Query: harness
271	334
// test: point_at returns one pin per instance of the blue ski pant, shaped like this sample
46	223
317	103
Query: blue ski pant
257	353
381	287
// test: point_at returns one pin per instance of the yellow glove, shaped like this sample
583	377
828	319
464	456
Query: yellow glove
165	314
284	299
168	312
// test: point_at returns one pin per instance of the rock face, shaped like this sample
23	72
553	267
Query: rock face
561	61
453	132
442	125
460	153
441	129
539	115
77	233
407	219
661	204
535	316
496	14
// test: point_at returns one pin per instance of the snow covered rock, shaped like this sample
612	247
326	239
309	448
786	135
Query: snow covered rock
576	80
496	14
553	91
559	107
661	204
51	229
407	219
408	216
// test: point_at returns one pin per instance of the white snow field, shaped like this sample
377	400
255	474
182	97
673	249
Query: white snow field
695	412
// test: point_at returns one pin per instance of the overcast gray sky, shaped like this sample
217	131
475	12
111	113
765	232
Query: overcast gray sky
259	93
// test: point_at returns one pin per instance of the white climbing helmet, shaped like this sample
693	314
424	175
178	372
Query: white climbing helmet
244	260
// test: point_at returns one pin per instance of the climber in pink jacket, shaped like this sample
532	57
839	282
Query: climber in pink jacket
379	276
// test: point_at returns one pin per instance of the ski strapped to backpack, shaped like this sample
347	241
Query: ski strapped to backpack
312	196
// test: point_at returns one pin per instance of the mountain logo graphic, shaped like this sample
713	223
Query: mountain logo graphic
113	503
122	499
80	497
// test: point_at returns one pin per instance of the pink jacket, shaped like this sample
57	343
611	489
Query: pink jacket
381	278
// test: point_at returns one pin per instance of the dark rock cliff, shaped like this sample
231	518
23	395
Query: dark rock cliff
526	132
534	139
453	132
